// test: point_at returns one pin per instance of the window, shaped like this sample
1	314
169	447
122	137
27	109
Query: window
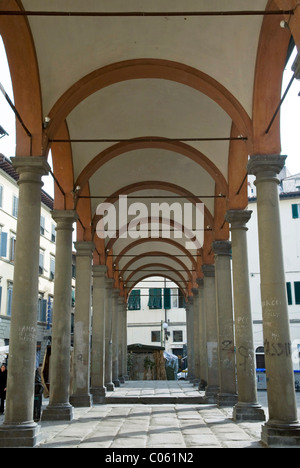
155	337
155	299
53	233
3	243
177	336
12	252
175	298
296	211
134	301
0	297
297	292
42	309
9	298
52	267
42	226
41	262
15	206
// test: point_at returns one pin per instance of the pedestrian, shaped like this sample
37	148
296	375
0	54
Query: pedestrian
3	383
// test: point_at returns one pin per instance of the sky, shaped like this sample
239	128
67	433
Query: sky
290	112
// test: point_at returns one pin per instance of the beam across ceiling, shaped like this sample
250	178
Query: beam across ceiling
145	14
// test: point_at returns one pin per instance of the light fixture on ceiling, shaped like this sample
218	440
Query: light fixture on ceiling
3	132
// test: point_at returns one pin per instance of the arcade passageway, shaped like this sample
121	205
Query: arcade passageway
175	104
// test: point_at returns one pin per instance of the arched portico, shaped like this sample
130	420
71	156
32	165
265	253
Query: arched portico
209	101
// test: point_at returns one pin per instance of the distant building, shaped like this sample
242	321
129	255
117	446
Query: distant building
157	316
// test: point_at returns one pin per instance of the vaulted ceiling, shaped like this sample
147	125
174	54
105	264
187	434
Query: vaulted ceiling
161	107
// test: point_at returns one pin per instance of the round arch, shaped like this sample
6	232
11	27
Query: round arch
149	68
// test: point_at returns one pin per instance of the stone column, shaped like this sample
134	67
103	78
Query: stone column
283	426
125	351
212	388
59	408
19	429
122	325
227	375
202	336
81	396
98	389
190	340
108	335
247	408
115	337
196	336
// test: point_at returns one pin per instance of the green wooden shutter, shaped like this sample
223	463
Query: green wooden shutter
155	300
167	298
295	211
134	301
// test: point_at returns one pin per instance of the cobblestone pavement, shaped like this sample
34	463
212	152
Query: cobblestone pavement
117	426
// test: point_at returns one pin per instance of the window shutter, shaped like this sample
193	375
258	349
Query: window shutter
167	298
295	211
134	302
3	244
297	292
1	196
289	293
155	301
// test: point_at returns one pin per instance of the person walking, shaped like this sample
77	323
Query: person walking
3	383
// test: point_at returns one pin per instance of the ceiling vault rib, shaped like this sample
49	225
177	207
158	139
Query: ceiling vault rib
145	14
148	140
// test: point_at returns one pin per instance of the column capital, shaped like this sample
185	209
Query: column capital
84	249
238	218
208	271
222	248
195	292
109	283
31	164
266	166
64	218
99	271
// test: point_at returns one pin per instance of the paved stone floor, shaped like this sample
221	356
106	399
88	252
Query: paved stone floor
160	425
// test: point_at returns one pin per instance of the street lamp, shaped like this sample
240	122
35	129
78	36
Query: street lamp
3	132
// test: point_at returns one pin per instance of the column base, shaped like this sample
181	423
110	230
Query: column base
117	383
99	394
211	394
248	412
122	379
281	435
27	436
227	399
110	386
82	401
62	412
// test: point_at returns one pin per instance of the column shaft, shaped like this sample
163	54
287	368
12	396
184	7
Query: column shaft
202	336
19	428
108	335
115	338
98	389
228	393
282	426
81	396
247	407
59	407
212	388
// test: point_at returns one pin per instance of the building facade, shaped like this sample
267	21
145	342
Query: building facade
157	316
